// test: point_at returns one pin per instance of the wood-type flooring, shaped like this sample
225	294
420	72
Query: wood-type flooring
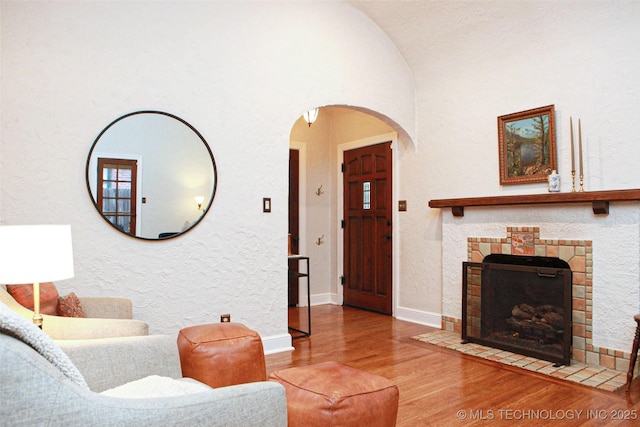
441	387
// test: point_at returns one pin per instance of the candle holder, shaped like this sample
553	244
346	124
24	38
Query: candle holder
573	181
581	183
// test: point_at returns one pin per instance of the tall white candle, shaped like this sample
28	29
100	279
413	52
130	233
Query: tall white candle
580	144
573	157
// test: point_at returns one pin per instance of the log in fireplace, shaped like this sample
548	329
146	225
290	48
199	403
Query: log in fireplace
520	304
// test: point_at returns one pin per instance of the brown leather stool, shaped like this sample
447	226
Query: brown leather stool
634	352
222	354
333	394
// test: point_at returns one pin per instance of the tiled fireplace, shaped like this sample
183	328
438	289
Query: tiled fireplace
579	255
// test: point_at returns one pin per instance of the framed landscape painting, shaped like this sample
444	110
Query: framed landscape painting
527	145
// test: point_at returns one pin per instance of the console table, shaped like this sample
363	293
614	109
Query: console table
305	275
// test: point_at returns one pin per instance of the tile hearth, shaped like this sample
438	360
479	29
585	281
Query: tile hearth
590	375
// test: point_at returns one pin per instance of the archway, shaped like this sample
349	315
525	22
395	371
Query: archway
320	148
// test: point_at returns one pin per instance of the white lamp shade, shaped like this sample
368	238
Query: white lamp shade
35	253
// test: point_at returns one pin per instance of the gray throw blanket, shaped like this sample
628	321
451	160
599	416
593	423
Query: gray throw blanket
11	323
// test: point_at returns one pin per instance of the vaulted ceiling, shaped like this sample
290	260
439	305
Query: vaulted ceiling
417	25
420	27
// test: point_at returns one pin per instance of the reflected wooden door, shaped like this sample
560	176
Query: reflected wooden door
367	228
117	192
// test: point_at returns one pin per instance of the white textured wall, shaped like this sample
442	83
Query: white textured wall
239	72
503	57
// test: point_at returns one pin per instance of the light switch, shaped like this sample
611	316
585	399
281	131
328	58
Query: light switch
266	204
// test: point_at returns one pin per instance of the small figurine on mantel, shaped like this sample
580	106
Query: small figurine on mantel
554	182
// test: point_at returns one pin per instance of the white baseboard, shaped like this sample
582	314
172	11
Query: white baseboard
401	313
417	316
277	344
321	299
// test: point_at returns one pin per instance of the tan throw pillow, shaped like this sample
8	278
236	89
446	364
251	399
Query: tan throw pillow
69	306
23	294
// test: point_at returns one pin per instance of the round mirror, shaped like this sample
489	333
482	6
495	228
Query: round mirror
151	175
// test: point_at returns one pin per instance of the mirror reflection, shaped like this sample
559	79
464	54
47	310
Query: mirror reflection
151	175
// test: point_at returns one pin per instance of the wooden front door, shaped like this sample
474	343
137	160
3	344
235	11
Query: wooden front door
367	228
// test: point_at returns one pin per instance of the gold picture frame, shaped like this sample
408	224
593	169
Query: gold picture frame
527	145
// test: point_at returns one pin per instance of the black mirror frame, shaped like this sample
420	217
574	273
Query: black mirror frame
204	142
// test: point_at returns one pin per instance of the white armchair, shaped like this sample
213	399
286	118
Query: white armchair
106	317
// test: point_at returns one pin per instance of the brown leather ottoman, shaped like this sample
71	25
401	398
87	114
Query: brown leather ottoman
222	354
334	394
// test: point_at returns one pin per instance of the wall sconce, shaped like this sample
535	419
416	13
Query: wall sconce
310	116
199	201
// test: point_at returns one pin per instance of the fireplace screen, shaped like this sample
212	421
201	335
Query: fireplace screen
520	304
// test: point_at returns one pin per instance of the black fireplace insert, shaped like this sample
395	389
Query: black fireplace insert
520	304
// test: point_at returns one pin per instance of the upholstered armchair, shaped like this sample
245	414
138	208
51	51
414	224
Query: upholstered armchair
106	317
124	381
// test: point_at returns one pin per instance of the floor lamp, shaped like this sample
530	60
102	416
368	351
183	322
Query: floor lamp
35	254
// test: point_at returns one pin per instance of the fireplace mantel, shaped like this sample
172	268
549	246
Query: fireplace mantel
598	199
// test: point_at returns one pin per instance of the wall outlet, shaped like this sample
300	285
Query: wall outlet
225	318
